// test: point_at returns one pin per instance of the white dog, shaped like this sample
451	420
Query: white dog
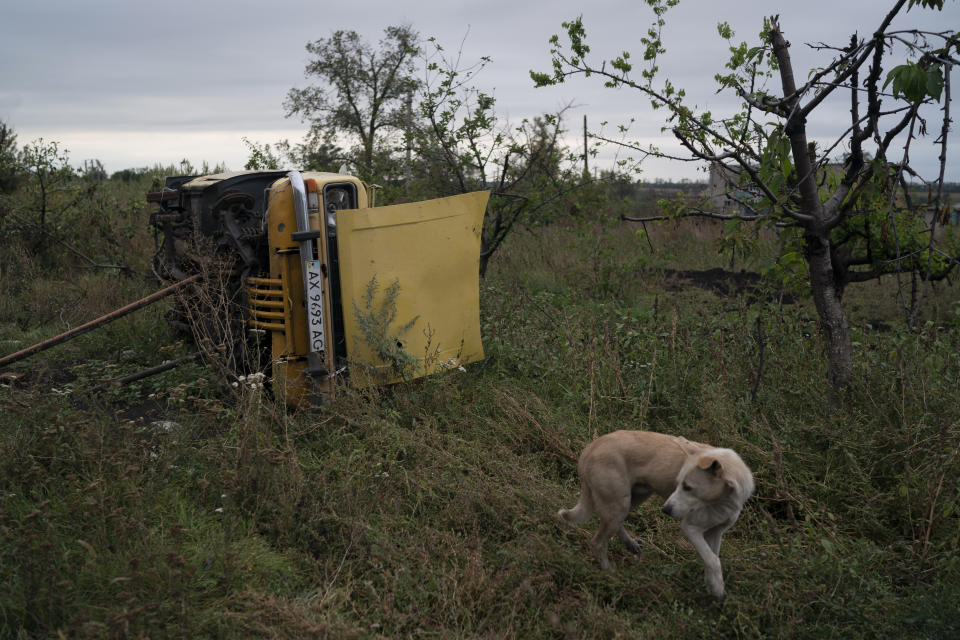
705	489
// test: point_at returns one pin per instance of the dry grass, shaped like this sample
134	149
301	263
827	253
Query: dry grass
427	509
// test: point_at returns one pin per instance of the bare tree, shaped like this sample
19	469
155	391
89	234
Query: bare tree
849	221
461	145
50	177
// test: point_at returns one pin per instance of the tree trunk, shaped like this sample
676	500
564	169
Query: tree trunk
827	293
827	288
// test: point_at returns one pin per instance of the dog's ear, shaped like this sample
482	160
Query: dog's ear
714	468
709	464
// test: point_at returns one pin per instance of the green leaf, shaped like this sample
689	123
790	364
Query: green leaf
935	83
928	4
754	52
914	83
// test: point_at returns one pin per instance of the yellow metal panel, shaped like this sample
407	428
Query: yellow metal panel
290	345
432	251
290	338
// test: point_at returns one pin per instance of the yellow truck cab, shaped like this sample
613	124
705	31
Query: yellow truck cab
343	292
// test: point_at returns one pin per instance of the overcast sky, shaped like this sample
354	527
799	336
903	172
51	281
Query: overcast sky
135	83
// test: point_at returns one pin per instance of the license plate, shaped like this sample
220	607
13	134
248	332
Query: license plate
316	329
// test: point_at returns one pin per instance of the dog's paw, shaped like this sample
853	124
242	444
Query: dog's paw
632	546
715	587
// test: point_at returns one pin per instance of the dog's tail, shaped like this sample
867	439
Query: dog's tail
581	512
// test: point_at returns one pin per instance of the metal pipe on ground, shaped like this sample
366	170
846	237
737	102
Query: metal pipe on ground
146	373
93	324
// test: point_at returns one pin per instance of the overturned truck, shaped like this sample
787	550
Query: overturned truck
316	285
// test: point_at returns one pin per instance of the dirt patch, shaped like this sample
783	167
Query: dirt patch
39	373
145	409
719	281
47	376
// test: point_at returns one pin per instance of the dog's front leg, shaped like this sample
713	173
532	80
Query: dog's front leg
714	537
713	574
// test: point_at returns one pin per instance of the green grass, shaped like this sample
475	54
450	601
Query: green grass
428	509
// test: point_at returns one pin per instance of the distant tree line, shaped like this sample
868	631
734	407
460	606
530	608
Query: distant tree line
53	211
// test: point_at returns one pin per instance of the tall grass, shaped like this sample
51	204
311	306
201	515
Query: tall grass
426	509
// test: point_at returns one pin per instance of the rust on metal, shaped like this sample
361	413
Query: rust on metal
93	324
160	196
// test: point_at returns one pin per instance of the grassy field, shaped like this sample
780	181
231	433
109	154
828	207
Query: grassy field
179	507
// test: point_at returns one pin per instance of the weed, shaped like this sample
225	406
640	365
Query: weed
374	320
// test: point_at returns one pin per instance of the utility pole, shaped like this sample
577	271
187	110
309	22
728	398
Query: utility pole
408	168
586	169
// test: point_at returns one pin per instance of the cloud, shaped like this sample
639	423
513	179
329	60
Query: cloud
120	80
